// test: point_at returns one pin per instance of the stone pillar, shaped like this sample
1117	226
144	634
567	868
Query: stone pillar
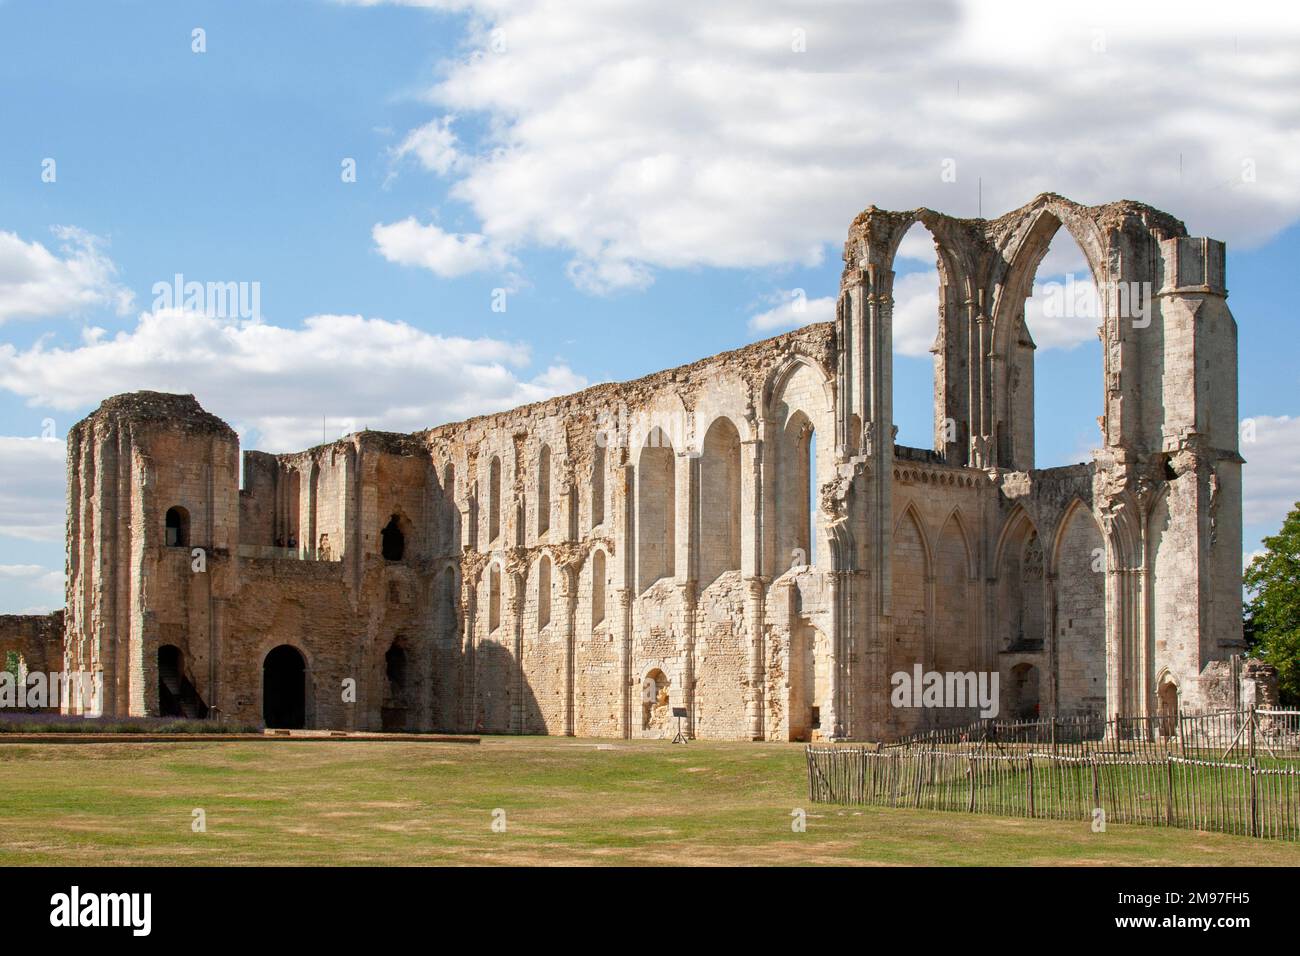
1050	683
753	493
686	649
569	592
517	588
688	568
1118	656
875	622
624	598
755	700
468	666
835	719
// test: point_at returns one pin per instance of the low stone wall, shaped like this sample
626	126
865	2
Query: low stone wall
38	641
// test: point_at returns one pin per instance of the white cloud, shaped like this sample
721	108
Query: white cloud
446	254
792	310
35	282
31	488
917	245
916	312
351	370
434	145
30	589
1063	311
1271	477
646	137
38	577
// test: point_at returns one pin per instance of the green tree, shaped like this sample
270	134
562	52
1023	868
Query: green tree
1272	623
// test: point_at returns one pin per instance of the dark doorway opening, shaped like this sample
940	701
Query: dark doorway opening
393	712
176	695
393	541
176	528
284	688
1024	692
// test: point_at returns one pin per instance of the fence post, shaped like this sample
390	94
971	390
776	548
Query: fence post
970	772
1254	802
895	771
1169	812
1252	732
862	775
1029	763
1096	784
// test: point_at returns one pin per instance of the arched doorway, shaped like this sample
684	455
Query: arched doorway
1167	706
1024	692
656	708
393	711
284	688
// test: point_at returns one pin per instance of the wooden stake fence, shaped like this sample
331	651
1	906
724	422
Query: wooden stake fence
1175	791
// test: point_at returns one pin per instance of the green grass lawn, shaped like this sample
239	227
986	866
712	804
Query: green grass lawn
565	802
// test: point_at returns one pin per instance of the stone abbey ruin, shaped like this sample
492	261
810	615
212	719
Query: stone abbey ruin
740	537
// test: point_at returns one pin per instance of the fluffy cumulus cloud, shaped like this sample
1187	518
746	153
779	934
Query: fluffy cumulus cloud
433	145
31	488
36	282
446	254
1062	311
1270	489
649	136
353	372
791	309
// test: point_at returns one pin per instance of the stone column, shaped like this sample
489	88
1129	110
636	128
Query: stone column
688	565
876	623
468	667
518	583
835	719
624	598
755	700
1051	649
569	592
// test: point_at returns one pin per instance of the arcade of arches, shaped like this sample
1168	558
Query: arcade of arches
740	538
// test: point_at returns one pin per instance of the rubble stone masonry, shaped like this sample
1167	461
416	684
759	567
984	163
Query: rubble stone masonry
739	537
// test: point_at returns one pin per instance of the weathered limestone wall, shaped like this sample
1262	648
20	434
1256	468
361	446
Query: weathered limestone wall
739	537
36	639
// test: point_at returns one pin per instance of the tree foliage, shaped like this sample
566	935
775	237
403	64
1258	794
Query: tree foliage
1273	610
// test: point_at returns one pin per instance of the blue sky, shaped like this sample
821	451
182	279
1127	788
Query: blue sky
646	186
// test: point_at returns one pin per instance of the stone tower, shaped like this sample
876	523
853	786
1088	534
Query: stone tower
151	478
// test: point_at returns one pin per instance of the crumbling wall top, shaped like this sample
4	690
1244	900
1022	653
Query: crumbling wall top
968	238
181	411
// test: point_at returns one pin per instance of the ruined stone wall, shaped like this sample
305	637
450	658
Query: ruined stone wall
738	537
36	639
937	591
